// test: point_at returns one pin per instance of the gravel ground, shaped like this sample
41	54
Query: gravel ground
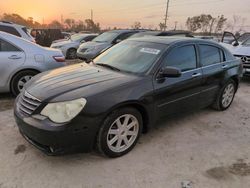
206	149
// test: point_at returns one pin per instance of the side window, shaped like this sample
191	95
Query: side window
7	47
210	55
89	38
10	30
183	58
125	36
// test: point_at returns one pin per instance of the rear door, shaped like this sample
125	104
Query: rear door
11	58
214	67
179	94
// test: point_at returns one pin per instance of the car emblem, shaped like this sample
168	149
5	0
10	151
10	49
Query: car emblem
244	59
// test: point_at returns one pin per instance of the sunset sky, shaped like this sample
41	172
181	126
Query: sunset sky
119	13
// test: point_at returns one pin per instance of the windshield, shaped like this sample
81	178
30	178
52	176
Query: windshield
244	37
77	37
106	37
131	56
246	43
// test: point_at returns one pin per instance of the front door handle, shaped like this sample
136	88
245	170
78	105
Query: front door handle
14	57
195	75
224	66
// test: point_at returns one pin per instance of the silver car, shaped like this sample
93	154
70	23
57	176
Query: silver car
21	59
70	46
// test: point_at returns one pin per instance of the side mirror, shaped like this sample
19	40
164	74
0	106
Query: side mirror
83	41
118	41
236	43
170	72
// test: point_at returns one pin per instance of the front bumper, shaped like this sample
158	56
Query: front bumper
76	136
246	69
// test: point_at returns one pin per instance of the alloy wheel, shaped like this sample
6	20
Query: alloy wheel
23	80
123	133
228	95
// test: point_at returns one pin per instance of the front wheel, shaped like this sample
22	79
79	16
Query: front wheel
20	79
71	54
225	96
120	132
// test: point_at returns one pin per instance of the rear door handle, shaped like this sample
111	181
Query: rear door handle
195	75
14	57
224	66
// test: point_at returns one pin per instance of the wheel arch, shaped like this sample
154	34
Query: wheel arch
19	71
138	106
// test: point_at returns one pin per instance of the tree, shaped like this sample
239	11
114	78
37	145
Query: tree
69	22
136	25
55	25
206	23
162	26
92	26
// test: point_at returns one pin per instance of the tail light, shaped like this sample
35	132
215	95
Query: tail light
59	58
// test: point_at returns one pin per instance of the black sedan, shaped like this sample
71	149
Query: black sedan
108	104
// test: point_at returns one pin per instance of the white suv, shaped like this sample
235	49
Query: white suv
17	30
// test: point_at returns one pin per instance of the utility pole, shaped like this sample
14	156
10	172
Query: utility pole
166	16
175	25
91	14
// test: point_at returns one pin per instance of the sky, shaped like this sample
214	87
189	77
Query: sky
123	14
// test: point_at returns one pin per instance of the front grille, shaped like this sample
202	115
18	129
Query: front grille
27	103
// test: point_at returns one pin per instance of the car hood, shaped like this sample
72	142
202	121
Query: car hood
238	50
92	44
62	43
88	78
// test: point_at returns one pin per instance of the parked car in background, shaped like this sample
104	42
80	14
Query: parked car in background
20	60
69	47
240	49
17	30
108	103
44	37
90	50
163	33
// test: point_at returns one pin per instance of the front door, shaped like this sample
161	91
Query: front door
174	95
11	58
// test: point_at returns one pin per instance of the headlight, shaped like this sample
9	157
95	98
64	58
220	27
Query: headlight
92	49
63	112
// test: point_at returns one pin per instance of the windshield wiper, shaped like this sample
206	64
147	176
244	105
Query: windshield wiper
108	66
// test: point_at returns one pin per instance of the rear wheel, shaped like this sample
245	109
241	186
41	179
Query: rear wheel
120	132
71	54
225	96
20	79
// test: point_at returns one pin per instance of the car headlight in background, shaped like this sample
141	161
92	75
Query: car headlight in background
63	112
93	49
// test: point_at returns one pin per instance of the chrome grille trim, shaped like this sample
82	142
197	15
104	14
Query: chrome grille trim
27	103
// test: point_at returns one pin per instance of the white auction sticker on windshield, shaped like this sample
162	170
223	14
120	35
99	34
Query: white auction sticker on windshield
150	51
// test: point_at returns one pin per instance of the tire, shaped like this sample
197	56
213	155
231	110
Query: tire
110	137
71	53
20	79
219	103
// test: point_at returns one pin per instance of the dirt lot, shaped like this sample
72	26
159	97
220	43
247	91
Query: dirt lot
208	149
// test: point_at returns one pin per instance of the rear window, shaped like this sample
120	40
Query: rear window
210	55
10	30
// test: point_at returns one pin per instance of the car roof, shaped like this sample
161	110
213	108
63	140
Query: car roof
170	40
120	31
6	23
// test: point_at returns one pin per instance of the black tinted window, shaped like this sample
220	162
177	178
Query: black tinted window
7	47
183	58
210	55
89	38
10	30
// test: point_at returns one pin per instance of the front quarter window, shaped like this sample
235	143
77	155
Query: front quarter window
132	56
